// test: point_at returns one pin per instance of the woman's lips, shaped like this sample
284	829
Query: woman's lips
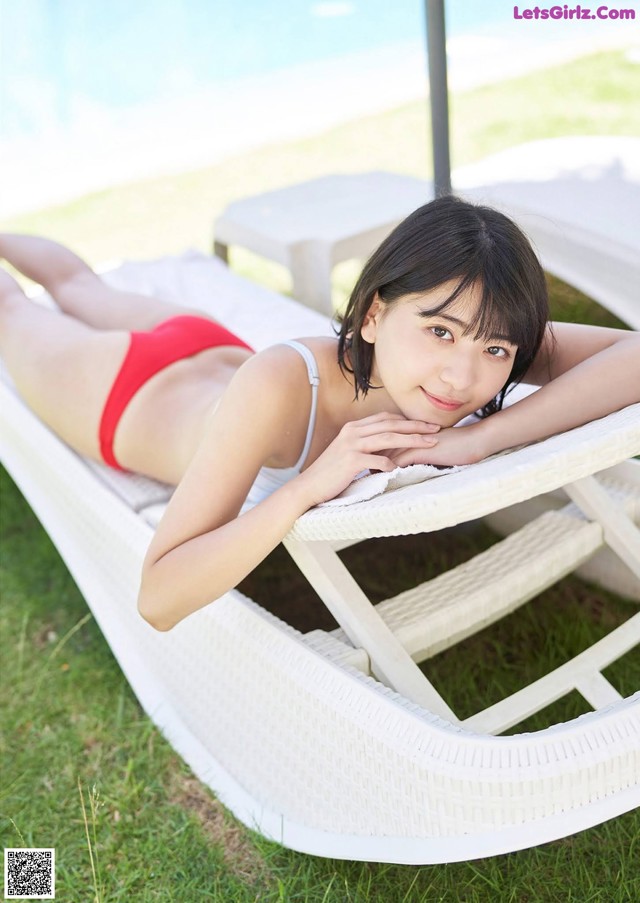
442	403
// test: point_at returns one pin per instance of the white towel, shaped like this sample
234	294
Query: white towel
368	484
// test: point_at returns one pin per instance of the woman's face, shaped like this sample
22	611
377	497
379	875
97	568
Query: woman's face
430	369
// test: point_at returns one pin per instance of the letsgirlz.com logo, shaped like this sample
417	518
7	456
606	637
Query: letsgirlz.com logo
573	12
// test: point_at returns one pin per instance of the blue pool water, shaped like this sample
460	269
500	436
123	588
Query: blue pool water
60	57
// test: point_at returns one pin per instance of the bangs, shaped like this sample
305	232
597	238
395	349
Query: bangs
494	316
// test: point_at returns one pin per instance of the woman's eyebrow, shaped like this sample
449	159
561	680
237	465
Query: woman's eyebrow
442	316
497	336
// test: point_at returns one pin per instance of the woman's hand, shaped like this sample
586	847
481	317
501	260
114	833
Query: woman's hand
372	443
455	445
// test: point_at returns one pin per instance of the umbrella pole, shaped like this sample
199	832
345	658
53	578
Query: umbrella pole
438	94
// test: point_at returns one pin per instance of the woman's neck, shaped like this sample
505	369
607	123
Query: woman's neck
341	396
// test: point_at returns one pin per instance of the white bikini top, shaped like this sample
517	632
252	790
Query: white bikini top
271	478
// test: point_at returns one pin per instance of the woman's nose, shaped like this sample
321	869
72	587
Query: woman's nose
458	371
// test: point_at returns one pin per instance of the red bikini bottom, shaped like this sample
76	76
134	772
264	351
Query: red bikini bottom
148	353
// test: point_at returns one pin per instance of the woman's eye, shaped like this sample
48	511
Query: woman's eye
496	351
440	331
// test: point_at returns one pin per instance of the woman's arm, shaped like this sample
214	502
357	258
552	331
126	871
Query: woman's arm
202	548
586	373
203	568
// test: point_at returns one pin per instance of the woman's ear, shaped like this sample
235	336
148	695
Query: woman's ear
369	328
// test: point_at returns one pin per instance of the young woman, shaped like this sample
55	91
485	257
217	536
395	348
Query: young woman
449	312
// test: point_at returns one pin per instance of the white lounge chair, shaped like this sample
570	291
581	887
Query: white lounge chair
578	199
334	743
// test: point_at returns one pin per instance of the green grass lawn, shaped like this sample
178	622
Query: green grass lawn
83	769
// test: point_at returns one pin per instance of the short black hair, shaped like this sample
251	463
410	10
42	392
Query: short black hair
452	239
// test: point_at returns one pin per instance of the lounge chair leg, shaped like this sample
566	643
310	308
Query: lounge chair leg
221	251
310	265
390	662
620	532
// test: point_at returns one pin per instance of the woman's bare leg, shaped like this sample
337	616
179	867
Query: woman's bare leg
79	291
62	367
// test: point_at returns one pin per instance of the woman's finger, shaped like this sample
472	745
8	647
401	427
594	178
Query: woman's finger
384	441
362	428
381	415
378	462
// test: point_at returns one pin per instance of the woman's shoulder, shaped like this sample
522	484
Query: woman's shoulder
277	376
285	363
270	394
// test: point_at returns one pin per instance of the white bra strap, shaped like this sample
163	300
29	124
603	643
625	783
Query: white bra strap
314	382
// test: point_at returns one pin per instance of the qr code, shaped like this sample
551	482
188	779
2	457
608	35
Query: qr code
29	874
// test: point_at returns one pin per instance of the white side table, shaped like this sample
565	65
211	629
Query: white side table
315	225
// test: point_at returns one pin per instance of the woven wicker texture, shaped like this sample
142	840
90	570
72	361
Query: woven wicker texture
435	615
